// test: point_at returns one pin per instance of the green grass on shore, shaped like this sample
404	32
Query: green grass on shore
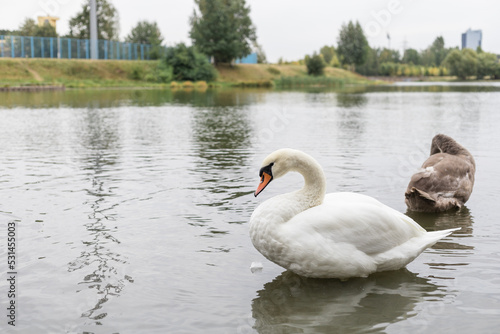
75	73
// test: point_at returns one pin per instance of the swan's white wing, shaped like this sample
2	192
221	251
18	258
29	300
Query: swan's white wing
356	220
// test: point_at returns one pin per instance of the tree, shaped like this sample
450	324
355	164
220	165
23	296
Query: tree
411	56
223	29
487	64
328	52
46	30
462	63
189	64
30	28
435	54
315	64
352	44
147	33
329	55
389	56
371	65
261	55
438	50
107	21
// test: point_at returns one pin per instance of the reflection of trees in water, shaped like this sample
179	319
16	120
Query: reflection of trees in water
221	143
221	134
294	304
351	100
217	97
350	123
445	220
351	117
110	98
98	260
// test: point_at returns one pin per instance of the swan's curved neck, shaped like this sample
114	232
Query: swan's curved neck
315	182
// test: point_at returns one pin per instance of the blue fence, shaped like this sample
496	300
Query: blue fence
72	48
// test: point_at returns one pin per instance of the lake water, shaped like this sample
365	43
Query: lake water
132	209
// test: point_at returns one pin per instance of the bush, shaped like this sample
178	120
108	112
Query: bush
189	64
273	70
163	72
462	63
487	65
315	64
137	73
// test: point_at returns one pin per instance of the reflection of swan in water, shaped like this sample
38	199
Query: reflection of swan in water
436	221
295	304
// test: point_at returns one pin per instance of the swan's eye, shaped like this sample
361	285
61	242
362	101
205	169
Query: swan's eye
266	169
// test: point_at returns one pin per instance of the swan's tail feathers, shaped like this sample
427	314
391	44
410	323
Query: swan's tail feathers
419	200
435	236
422	195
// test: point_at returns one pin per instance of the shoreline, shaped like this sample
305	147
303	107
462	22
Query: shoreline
39	74
33	88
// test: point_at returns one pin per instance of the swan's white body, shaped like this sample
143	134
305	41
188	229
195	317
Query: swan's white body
337	235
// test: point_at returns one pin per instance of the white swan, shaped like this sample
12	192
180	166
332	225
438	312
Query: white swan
339	235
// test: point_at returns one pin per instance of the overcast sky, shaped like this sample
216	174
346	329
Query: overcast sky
293	28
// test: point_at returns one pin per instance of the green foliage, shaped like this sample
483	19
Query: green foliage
352	44
30	28
411	56
261	56
371	65
163	73
309	81
222	29
137	73
330	56
6	32
254	84
189	64
315	64
462	63
273	70
107	21
328	52
438	50
387	55
435	54
147	33
487	65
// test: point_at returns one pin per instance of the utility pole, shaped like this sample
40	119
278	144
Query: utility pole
93	30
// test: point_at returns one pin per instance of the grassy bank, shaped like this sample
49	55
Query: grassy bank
76	73
266	75
121	73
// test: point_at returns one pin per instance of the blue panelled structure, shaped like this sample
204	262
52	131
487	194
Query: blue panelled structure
250	59
72	48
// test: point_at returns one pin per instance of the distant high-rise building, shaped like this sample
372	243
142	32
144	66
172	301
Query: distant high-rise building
472	39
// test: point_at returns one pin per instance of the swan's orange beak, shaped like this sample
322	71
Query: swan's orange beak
264	181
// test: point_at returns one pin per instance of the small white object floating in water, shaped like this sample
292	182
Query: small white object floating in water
256	267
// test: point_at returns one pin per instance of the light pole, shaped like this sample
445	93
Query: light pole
93	30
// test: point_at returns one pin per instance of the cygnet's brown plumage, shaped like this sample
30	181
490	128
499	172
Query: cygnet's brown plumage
445	180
